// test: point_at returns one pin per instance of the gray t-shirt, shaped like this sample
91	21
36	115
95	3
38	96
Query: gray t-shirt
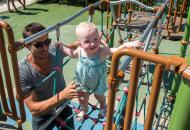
30	77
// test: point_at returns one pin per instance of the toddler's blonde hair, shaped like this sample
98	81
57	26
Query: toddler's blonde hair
85	27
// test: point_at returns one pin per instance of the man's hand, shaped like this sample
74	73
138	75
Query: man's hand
69	92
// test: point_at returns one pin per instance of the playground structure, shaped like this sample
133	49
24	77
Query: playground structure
173	8
154	28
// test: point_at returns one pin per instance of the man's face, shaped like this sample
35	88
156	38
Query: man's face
40	47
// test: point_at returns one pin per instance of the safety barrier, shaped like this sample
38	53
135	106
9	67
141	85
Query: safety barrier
175	64
6	89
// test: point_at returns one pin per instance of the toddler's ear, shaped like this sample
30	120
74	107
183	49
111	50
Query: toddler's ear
78	42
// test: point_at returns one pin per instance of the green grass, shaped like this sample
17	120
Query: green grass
47	14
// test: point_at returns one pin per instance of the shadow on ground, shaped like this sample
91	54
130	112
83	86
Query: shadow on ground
30	11
4	17
37	9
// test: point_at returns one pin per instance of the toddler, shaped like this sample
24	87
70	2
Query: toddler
91	70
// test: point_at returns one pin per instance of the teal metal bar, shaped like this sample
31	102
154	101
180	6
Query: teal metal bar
121	107
52	73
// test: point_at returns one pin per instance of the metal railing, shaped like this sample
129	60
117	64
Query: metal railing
175	64
8	86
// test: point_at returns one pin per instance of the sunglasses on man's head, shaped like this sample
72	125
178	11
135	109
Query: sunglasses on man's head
41	44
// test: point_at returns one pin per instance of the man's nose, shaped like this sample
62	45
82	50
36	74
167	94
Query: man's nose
44	47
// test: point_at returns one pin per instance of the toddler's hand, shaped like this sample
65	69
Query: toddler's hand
133	44
104	43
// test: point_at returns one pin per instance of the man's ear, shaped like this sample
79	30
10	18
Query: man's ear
28	46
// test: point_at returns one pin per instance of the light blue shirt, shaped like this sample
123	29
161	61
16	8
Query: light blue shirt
91	74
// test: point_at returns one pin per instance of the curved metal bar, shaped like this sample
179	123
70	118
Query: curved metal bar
171	63
14	61
3	97
7	71
2	88
132	1
54	27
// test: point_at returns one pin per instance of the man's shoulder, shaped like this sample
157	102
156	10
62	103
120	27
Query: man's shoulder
23	61
23	64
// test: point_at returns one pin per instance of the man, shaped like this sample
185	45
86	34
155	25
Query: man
33	69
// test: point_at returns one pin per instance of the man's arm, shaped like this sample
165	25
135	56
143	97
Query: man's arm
39	107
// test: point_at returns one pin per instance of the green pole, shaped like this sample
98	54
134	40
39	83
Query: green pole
181	114
111	41
177	78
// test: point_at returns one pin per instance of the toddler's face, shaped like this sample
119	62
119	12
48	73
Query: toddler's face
90	41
